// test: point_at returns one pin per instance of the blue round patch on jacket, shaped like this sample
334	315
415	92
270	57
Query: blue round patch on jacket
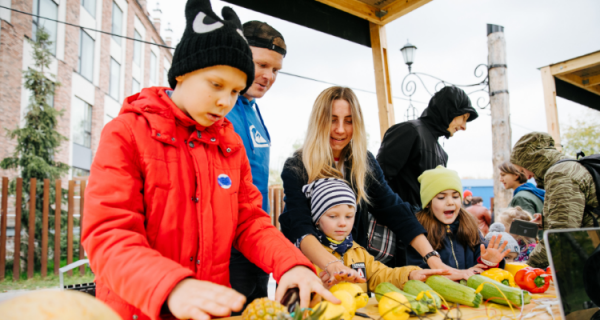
224	181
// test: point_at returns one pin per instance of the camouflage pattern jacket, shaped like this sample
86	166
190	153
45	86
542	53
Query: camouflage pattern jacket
570	190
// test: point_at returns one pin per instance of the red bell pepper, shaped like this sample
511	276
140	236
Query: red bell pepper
531	279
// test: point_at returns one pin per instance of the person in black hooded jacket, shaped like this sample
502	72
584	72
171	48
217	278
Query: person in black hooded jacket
411	147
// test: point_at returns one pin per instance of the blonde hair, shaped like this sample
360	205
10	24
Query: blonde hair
507	216
316	152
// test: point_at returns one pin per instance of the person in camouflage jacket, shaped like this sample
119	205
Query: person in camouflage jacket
570	190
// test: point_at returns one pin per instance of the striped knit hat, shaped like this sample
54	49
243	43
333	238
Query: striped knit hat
327	193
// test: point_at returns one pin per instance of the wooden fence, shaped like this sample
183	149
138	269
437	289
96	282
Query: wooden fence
74	186
46	225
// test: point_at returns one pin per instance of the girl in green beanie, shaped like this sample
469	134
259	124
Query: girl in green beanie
451	230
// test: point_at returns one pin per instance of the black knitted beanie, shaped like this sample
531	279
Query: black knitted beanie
210	41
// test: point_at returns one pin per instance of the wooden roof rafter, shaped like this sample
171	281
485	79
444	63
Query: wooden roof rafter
380	16
583	72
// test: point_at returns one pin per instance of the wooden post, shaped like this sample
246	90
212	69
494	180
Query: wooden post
17	256
70	225
57	215
550	103
278	208
3	222
31	243
45	210
81	203
382	78
500	108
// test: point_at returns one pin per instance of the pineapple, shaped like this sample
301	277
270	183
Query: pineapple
265	309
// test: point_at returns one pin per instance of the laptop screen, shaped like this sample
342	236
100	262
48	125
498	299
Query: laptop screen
575	256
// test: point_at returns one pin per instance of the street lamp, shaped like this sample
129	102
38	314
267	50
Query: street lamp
408	53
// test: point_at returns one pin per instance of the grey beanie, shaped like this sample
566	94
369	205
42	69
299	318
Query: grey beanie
496	229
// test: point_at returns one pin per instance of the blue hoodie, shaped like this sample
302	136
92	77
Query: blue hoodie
248	123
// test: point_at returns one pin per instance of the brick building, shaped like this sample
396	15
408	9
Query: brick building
96	71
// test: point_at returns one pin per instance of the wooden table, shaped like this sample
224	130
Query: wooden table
480	313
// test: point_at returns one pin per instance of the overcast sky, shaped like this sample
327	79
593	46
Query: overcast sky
451	39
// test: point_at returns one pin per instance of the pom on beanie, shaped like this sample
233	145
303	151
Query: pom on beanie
327	193
496	229
437	180
210	41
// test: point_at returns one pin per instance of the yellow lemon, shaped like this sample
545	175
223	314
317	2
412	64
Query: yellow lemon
355	290
348	301
361	300
394	306
332	311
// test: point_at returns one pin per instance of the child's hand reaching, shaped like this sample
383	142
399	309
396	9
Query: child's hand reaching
338	272
423	274
495	251
199	300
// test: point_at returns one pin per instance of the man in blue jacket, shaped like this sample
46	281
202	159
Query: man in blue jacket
268	49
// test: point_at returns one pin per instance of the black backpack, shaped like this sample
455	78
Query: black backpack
592	164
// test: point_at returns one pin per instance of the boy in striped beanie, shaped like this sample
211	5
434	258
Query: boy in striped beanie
333	209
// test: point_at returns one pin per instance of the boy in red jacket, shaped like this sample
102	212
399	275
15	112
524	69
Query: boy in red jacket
170	189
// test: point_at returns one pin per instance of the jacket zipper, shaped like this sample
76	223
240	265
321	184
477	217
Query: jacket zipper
452	244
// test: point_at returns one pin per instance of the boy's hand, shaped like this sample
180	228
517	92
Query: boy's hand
198	300
304	279
422	275
338	272
495	251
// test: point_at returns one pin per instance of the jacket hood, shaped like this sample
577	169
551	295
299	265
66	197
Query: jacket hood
536	152
444	106
163	116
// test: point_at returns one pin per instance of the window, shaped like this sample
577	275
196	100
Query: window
115	79
135	87
117	23
153	60
47	9
82	123
78	172
90	6
86	56
137	49
166	77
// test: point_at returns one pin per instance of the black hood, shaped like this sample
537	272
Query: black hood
444	106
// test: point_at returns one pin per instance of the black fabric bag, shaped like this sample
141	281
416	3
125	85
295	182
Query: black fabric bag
592	164
381	241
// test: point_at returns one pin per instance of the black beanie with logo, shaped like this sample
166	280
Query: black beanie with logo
210	41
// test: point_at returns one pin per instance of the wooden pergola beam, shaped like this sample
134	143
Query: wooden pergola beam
579	81
397	9
383	84
550	103
587	61
355	7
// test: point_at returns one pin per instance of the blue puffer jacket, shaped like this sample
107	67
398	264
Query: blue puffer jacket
453	253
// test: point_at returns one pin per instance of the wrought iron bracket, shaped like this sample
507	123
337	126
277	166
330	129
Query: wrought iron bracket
493	93
409	87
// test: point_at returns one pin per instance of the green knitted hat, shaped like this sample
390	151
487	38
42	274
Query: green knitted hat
437	180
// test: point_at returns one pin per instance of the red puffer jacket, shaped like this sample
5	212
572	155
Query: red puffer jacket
166	200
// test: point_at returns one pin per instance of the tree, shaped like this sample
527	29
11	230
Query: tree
583	136
37	141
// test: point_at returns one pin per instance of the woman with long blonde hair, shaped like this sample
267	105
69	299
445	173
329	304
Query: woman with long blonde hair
336	147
